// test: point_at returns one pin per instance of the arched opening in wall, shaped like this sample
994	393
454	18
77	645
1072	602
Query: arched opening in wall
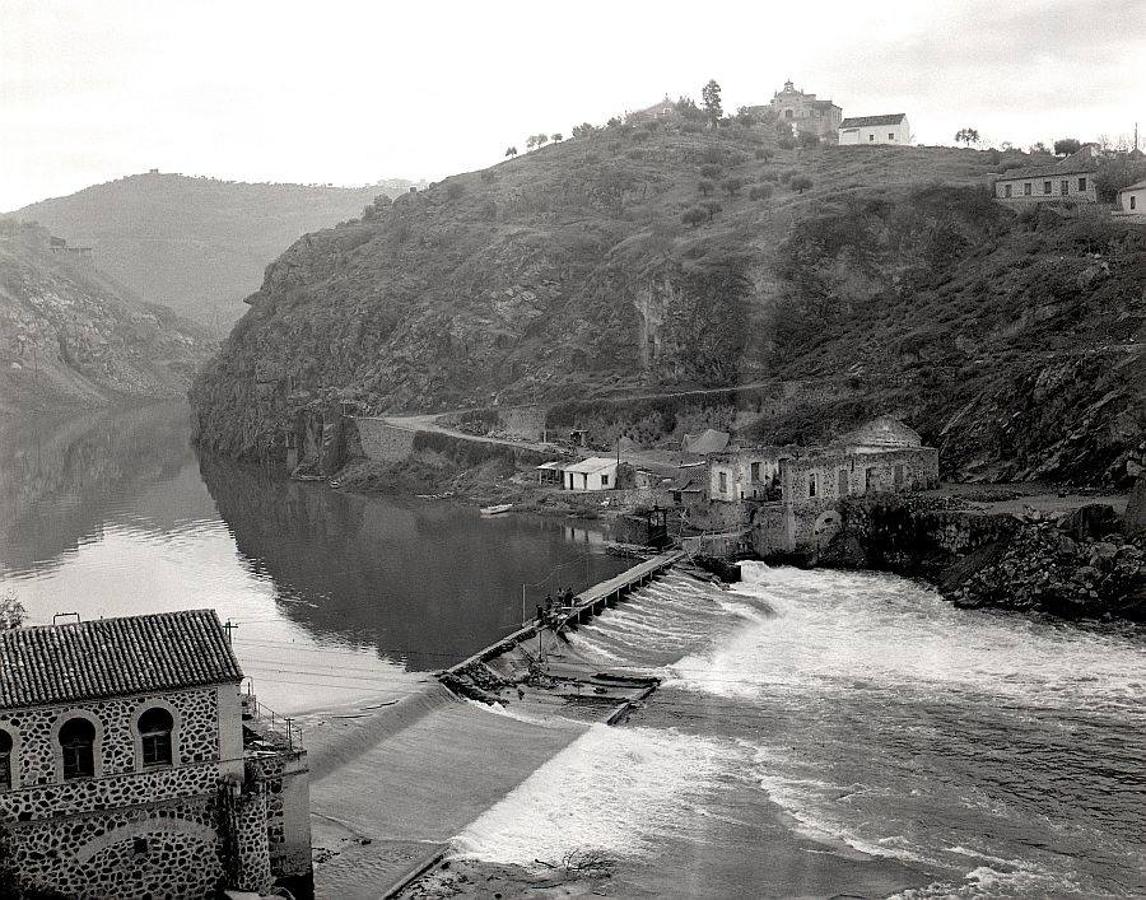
826	526
788	114
5	761
155	727
77	741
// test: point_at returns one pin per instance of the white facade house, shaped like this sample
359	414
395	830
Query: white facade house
893	129
1132	199
597	473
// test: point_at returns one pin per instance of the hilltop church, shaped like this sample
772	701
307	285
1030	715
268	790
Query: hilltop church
804	113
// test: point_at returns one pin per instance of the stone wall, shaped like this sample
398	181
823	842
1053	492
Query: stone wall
36	744
382	441
162	849
525	422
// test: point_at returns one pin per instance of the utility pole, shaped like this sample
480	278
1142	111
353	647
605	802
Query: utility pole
229	627
524	621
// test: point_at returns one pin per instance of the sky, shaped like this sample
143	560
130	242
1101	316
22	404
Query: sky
354	92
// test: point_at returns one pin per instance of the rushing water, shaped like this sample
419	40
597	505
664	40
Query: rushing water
336	597
816	732
983	753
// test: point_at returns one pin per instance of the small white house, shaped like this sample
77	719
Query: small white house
893	129
597	473
1132	199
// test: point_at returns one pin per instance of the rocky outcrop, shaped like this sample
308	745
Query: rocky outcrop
1076	565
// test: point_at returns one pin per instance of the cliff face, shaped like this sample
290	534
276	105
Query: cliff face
197	245
570	273
70	336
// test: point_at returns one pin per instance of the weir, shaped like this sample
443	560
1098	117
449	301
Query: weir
587	604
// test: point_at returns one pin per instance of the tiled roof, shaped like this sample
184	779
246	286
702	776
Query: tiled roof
1137	186
114	657
1077	163
865	121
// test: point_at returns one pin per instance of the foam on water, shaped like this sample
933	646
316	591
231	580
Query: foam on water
614	789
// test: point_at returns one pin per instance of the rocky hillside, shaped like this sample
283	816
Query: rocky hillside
72	336
671	256
197	245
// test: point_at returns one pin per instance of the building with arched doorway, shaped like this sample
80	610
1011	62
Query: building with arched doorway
132	766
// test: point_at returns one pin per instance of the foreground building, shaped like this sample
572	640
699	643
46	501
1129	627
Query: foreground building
1068	179
1132	199
892	129
132	766
597	473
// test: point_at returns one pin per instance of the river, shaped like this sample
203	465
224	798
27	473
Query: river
335	596
809	723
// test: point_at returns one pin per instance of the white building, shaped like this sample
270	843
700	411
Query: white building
1132	199
893	129
597	473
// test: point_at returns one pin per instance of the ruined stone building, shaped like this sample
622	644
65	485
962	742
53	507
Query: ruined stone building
804	113
132	766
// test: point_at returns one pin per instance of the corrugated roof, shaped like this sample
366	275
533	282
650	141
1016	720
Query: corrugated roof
114	657
864	121
1079	163
590	465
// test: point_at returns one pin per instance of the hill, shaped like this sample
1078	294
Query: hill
668	256
72	336
197	245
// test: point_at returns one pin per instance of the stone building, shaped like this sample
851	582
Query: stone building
804	113
1132	199
751	473
131	766
1068	179
891	129
883	456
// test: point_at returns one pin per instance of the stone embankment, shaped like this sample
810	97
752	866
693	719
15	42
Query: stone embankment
1088	563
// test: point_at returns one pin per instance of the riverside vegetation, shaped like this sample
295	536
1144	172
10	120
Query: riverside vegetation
1012	341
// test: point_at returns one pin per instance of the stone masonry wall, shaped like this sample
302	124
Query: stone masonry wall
36	745
526	422
162	850
384	442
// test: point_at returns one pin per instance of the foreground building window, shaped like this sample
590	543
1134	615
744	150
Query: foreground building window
77	740
155	727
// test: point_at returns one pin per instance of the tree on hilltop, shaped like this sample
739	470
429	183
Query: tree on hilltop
583	130
511	151
1067	146
710	94
966	136
558	137
12	613
800	183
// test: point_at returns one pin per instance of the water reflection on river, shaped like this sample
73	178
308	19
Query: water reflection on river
336	596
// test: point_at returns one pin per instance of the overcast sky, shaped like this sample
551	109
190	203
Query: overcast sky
350	93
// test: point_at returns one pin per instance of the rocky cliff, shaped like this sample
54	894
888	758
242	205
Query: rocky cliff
663	257
70	336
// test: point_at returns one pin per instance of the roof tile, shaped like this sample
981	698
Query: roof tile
114	657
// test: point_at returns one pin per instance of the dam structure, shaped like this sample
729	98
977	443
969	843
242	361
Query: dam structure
394	782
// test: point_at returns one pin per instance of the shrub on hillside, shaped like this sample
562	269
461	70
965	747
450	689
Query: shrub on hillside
488	176
760	192
710	170
787	142
693	216
712	208
800	183
787	175
762	154
714	155
705	186
732	186
809	140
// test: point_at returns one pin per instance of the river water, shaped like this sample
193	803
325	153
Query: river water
982	753
816	732
336	597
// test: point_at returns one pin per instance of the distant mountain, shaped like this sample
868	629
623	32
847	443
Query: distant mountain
72	336
197	245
